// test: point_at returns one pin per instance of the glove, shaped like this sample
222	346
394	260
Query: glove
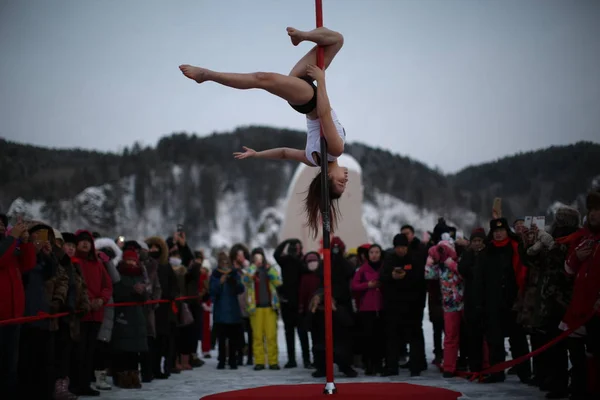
103	257
546	239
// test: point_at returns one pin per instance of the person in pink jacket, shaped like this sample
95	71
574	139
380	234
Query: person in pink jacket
442	265
366	284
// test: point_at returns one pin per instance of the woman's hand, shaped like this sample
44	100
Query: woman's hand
248	152
315	72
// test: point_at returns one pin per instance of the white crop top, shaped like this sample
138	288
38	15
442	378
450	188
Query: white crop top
313	137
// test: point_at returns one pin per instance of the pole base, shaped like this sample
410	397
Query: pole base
330	388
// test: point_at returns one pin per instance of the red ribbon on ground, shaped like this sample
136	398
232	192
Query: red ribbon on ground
43	315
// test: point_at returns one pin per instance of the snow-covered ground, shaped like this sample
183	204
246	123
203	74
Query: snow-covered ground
193	385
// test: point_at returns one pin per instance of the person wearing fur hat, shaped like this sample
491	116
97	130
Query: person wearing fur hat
110	254
503	273
46	287
583	263
77	303
17	255
545	301
163	345
129	336
469	267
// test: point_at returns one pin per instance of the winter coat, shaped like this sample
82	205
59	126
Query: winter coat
77	301
129	332
250	280
403	297
97	279
470	269
586	289
291	270
501	267
154	293
15	258
165	317
226	307
108	321
310	282
371	299
46	287
442	265
547	296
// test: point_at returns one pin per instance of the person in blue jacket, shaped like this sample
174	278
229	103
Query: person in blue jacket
225	286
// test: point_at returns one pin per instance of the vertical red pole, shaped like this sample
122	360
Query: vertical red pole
325	213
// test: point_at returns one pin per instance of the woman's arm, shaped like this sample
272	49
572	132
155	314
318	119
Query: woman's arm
335	144
280	153
283	153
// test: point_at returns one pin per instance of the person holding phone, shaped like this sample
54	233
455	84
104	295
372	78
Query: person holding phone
17	255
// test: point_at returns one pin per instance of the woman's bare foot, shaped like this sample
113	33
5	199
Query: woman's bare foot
296	35
196	73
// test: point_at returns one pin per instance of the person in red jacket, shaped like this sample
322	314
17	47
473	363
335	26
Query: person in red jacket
583	262
17	255
99	286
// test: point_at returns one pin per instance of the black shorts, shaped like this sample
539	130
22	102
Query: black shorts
312	104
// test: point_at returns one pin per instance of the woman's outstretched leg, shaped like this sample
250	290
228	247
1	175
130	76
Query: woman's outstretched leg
331	42
289	88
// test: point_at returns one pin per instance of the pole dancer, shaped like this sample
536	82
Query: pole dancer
330	388
299	90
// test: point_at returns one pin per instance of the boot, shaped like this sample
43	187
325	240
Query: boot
124	380
101	382
70	395
185	362
61	391
134	377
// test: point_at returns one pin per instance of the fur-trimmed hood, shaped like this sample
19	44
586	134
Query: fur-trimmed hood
103	243
162	245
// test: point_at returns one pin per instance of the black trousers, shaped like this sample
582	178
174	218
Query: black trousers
517	337
438	331
9	360
552	366
577	352
63	354
475	345
303	334
147	359
161	348
245	331
102	356
188	339
396	325
228	336
291	324
36	362
373	341
84	353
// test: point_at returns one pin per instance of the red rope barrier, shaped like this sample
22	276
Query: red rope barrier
43	315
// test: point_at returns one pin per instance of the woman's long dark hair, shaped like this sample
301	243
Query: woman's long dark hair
312	205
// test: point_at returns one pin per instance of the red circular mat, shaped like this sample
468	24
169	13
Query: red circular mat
345	391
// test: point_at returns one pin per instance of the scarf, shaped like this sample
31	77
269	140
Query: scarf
518	267
375	265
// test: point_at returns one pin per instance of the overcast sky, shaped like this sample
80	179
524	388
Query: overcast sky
447	82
